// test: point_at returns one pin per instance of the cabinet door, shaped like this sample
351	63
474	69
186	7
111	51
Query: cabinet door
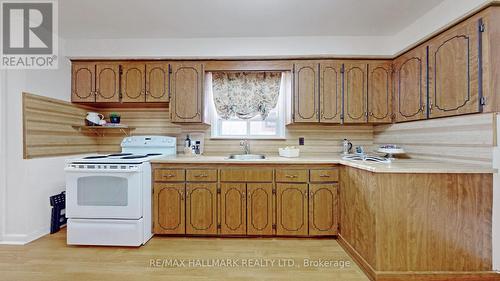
107	82
83	82
306	92
323	209
201	208
233	209
355	93
260	209
133	82
187	92
380	92
169	208
157	81
330	90
453	71
291	209
410	85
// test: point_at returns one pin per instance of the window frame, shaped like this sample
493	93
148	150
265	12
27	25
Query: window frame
216	121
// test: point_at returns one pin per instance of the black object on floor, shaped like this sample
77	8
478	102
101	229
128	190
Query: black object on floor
58	219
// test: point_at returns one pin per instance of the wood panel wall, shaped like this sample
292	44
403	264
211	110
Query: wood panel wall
467	139
319	139
48	128
417	226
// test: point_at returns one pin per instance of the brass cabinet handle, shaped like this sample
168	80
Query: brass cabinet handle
168	176
305	195
324	176
201	176
291	176
182	195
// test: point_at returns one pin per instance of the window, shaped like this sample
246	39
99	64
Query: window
273	127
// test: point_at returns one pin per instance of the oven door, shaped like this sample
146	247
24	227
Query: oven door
103	191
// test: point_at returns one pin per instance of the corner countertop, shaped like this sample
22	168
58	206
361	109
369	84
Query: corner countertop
397	166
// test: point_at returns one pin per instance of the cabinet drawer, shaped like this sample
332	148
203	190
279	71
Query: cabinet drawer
246	175
324	175
201	175
291	175
169	175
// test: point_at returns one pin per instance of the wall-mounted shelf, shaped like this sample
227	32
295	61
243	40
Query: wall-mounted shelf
100	130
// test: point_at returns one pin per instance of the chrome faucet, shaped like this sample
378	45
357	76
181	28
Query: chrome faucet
245	145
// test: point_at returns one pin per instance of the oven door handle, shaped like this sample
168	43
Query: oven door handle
102	171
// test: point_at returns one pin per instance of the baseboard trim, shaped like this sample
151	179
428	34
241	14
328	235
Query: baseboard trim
23	239
360	261
375	275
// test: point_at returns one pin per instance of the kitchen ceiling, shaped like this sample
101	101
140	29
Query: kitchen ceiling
236	18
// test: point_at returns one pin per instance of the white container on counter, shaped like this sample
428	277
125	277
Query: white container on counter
289	152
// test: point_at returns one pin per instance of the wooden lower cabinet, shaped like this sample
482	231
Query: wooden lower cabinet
233	209
169	208
292	200
291	209
323	209
201	208
260	209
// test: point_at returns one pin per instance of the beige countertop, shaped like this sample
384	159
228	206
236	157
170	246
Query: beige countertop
397	166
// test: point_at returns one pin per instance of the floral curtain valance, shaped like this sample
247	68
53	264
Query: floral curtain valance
245	94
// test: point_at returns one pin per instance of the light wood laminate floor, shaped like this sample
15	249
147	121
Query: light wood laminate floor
49	258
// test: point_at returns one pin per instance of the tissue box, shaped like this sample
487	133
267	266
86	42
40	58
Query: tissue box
289	152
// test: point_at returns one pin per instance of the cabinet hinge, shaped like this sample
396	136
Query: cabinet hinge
219	226
274	191
342	69
482	27
218	190
482	100
169	69
274	226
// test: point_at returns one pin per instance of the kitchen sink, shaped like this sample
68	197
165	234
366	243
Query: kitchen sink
246	156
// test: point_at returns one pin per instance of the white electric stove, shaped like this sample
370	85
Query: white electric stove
108	196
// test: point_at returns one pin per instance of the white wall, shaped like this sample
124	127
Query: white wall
230	47
341	46
440	16
3	157
29	183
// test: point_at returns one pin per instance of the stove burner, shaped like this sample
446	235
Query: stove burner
134	157
119	154
96	157
153	154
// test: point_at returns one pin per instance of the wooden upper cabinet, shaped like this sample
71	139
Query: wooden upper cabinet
260	208
330	92
133	82
169	208
157	82
107	82
233	209
410	82
306	92
291	209
187	92
83	82
323	209
355	92
453	71
380	92
201	208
